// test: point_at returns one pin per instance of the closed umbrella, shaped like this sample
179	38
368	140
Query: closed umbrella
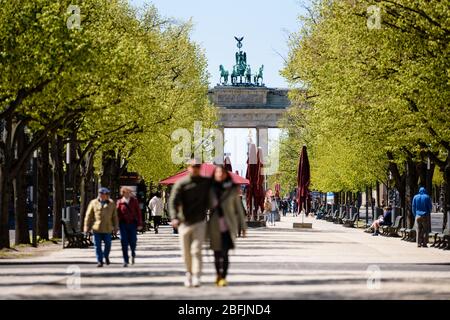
277	190
303	181
227	164
252	177
260	180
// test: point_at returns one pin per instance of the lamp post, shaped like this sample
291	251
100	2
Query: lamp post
367	206
35	200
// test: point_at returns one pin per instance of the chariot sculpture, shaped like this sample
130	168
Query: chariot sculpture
241	74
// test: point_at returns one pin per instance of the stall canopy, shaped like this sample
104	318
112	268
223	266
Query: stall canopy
206	170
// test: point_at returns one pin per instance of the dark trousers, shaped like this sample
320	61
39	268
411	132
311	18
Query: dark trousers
221	260
156	221
98	239
422	230
128	237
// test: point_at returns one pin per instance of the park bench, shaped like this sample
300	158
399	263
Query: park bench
340	217
350	223
443	239
326	214
408	234
392	230
332	216
74	238
433	239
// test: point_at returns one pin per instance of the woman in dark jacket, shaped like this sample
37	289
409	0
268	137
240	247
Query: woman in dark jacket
130	220
226	218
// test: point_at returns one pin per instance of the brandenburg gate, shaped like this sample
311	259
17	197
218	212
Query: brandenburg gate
246	102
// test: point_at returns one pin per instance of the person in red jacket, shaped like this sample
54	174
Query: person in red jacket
130	221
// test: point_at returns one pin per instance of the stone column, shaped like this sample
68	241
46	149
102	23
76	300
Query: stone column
262	141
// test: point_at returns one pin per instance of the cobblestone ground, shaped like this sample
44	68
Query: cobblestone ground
327	262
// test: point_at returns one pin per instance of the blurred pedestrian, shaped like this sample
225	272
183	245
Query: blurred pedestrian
101	218
188	204
284	206
271	206
156	207
226	218
130	221
421	208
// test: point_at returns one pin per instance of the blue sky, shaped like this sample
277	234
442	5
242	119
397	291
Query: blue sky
265	25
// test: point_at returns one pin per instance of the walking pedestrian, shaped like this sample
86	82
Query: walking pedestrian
421	208
284	206
270	206
101	218
188	204
130	221
267	206
156	207
226	218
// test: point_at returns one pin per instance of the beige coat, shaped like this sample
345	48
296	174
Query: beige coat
234	217
101	219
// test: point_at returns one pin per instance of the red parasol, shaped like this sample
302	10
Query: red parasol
206	170
277	190
303	181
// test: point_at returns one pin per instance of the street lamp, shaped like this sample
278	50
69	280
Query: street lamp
367	206
35	200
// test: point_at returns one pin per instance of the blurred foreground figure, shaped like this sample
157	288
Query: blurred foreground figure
226	219
188	204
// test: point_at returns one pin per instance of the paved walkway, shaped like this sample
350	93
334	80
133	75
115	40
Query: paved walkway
327	262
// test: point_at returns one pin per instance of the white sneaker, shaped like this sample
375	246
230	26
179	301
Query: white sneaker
188	281
196	281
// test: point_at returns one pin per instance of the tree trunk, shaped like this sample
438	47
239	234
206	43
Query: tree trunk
111	173
377	194
5	193
5	190
446	187
43	192
58	185
20	209
410	190
20	193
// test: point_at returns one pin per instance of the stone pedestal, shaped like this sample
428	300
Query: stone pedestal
304	225
256	224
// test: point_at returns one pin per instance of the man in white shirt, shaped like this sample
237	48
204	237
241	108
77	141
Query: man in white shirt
156	207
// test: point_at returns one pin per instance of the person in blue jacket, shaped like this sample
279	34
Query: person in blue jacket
421	208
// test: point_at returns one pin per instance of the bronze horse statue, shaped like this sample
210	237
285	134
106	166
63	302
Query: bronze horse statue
223	74
259	76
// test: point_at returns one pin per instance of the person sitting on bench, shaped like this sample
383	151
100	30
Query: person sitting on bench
384	220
